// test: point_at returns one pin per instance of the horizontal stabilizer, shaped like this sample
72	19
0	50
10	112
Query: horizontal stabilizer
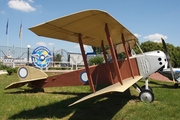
27	74
117	87
20	83
30	73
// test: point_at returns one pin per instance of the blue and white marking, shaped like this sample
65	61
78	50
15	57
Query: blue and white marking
83	76
41	57
23	72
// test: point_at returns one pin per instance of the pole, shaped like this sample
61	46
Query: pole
7	36
53	56
28	57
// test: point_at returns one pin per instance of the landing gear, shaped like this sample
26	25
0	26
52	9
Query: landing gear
145	92
146	96
144	88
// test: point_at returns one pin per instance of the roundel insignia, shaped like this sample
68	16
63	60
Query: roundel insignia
83	76
41	57
23	72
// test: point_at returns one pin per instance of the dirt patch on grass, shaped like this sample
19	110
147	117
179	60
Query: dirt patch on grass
157	76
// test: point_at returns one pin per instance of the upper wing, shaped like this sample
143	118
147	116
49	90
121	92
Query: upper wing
90	24
117	87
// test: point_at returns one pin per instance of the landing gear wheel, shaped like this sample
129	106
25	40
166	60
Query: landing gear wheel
176	85
146	96
144	88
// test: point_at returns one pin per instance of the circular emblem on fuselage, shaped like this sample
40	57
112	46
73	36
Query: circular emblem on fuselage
83	76
23	72
41	57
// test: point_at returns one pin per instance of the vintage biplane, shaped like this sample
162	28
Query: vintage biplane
99	29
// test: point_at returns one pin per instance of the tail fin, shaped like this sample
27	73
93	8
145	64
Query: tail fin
30	73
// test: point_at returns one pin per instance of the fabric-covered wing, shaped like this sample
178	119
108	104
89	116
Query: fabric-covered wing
90	24
117	87
21	83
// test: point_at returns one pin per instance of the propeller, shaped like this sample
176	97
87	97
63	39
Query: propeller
168	59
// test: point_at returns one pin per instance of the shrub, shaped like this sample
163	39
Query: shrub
10	71
15	70
96	60
3	67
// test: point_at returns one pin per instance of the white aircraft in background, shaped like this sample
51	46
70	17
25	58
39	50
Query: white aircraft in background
171	73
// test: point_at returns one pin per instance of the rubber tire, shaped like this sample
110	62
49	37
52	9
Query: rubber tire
144	88
146	96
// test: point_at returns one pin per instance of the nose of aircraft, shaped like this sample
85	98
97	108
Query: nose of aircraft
150	62
157	60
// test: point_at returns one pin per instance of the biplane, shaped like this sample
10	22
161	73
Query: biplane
99	29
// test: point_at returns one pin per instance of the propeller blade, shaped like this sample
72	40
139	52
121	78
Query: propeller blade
168	58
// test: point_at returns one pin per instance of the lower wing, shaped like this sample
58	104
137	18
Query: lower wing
22	83
117	87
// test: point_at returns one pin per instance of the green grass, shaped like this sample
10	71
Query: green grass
21	103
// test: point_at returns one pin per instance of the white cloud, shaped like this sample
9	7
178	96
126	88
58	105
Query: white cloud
155	37
31	0
21	5
137	35
77	46
41	44
50	44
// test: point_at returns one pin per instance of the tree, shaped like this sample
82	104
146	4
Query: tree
177	56
96	50
136	48
151	46
58	57
96	60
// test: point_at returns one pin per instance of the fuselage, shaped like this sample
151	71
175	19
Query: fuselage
150	62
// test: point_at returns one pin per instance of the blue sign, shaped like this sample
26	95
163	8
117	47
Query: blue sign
41	57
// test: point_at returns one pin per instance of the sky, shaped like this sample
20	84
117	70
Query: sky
147	19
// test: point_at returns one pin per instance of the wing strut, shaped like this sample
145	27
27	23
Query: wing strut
105	57
115	62
127	56
85	63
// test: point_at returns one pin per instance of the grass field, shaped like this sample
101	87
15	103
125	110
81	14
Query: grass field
22	103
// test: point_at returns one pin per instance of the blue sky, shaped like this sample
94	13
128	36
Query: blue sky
147	19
